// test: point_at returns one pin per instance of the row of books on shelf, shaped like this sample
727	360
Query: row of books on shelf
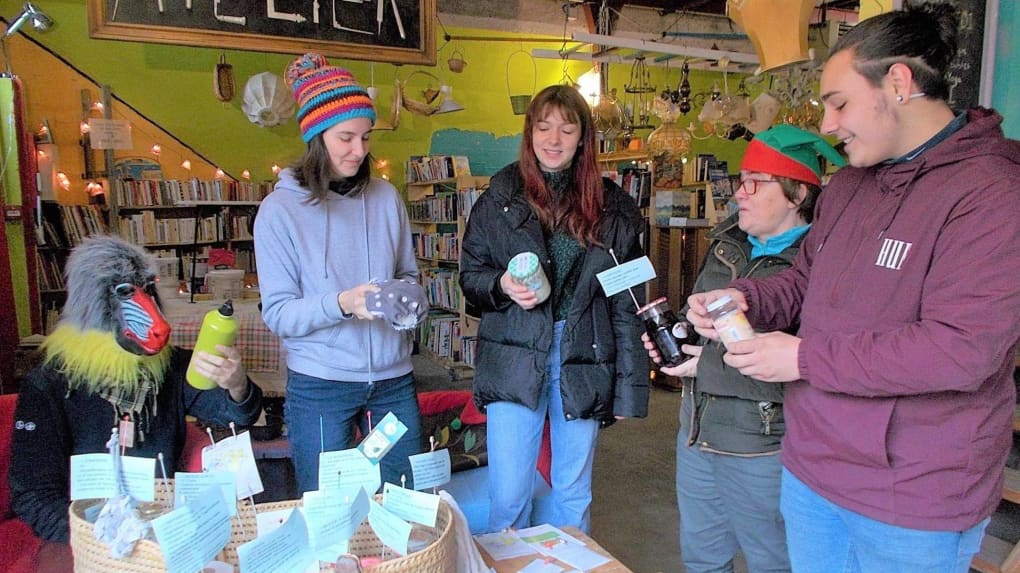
708	168
441	287
444	206
145	229
170	192
445	246
439	334
638	184
51	272
425	168
468	350
64	226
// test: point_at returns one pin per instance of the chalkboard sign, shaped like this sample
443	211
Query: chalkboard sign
965	72
397	31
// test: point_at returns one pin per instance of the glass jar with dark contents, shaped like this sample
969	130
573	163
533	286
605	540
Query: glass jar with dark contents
667	332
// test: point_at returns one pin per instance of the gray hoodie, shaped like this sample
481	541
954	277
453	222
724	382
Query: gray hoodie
307	254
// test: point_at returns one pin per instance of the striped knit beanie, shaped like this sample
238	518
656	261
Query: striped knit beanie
326	95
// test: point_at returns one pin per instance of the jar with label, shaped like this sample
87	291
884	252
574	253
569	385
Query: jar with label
667	332
729	321
526	269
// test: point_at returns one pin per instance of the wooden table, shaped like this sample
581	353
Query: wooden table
517	563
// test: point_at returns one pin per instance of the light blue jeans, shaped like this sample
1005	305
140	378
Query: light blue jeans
729	503
826	538
340	407
514	435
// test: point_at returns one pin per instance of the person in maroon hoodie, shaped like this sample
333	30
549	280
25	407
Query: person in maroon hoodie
899	389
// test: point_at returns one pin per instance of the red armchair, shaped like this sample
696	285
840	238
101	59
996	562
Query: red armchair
20	547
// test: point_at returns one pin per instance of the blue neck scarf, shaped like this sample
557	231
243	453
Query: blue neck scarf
775	245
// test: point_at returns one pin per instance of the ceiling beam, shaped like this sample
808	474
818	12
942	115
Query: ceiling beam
663	48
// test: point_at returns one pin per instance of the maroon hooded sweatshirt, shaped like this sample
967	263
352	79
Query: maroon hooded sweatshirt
908	291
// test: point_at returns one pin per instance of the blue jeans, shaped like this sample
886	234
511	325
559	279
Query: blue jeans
514	435
826	538
337	408
729	503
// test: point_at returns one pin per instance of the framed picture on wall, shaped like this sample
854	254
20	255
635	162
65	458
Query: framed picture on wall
397	31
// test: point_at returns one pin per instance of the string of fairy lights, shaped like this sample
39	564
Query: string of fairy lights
94	184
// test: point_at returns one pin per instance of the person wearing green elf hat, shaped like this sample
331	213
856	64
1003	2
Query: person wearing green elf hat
898	384
731	425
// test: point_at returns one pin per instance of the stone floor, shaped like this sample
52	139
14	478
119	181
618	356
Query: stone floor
634	511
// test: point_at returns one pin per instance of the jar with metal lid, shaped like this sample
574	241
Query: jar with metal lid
667	332
729	321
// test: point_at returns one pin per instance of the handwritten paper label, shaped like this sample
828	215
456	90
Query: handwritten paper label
411	505
348	469
391	530
627	275
284	550
431	469
234	454
189	485
92	477
192	535
109	133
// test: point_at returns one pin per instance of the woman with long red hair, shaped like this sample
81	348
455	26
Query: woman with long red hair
562	350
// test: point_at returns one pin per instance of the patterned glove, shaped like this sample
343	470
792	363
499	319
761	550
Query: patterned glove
401	302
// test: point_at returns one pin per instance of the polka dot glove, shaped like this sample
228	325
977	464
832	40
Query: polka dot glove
400	302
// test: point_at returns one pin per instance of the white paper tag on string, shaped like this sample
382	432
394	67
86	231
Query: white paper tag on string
235	454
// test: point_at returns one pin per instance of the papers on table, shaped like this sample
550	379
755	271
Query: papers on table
545	539
556	543
503	545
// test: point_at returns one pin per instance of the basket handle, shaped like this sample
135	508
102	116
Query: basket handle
534	70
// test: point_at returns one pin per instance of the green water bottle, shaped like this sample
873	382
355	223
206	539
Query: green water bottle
218	327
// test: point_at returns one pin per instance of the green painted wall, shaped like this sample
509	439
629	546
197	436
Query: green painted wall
1007	67
10	180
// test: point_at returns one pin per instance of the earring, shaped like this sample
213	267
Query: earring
899	98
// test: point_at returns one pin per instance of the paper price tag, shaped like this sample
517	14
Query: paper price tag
625	276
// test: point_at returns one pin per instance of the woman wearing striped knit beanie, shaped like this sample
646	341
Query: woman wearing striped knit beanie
330	242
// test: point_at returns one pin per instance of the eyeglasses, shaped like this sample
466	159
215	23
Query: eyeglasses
750	185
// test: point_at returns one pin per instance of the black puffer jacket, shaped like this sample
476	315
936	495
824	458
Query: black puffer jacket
604	368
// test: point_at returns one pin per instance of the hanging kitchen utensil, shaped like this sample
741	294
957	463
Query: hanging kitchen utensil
223	80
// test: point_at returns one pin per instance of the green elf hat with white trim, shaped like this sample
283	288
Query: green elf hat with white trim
788	151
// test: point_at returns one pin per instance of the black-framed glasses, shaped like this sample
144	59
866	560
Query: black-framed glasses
750	185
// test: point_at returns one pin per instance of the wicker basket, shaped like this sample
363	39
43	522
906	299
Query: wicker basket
91	556
426	106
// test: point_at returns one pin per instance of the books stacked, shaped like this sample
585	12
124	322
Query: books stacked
422	169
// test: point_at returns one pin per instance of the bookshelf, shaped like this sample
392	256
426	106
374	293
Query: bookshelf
438	209
59	228
179	220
